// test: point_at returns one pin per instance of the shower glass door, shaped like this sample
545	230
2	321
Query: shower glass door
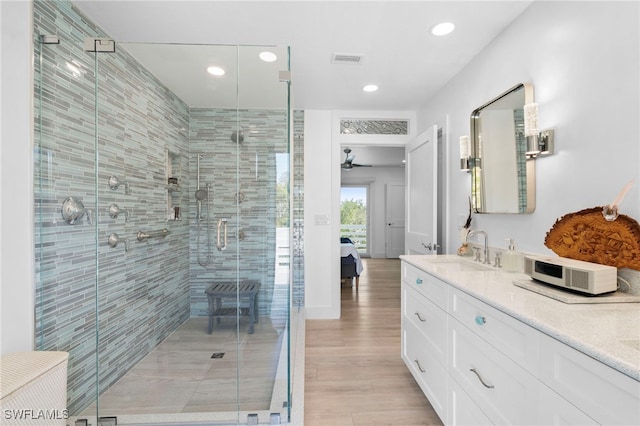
162	225
65	204
193	311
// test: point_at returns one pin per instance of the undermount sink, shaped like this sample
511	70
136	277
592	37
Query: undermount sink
460	265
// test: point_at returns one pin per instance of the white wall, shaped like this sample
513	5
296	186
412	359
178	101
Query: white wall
321	217
583	59
16	204
377	178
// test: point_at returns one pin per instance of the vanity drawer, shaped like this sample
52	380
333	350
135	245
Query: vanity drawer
603	393
513	338
426	284
503	390
462	410
429	373
430	320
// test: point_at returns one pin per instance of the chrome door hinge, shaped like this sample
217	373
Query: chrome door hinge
93	44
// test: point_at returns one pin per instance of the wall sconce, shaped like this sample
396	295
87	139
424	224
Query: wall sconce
538	142
465	153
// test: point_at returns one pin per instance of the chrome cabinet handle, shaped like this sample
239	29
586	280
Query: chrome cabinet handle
422	370
418	281
473	370
480	320
222	245
420	317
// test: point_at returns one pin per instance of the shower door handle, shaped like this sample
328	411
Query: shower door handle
222	245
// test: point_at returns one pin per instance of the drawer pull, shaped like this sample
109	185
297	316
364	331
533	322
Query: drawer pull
422	370
480	378
480	320
420	317
418	281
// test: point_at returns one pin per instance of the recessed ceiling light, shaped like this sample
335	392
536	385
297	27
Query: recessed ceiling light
370	88
443	28
268	56
217	71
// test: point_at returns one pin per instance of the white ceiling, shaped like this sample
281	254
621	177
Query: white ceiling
400	55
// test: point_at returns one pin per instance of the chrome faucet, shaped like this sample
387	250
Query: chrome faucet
486	244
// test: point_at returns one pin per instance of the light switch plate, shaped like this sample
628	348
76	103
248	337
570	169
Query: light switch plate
321	219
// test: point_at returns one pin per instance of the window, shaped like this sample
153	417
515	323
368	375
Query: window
354	216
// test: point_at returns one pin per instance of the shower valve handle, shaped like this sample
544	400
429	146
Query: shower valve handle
222	245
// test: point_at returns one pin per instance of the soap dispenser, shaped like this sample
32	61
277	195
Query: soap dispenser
512	261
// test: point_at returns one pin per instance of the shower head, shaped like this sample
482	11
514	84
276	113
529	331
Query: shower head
202	194
237	137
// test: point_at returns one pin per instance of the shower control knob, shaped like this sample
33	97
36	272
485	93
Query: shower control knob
72	210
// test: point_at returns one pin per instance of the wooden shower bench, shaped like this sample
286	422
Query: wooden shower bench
247	294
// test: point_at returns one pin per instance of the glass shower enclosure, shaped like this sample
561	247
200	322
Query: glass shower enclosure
162	224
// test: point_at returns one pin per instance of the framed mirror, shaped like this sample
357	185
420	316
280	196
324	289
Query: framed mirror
502	178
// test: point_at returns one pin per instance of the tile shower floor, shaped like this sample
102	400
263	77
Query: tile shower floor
181	376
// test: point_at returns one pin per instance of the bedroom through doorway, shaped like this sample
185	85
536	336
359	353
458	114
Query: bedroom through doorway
354	216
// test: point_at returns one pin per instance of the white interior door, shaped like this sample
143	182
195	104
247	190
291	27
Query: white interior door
422	202
395	218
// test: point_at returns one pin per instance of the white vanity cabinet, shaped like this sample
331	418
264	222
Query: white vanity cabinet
477	365
424	334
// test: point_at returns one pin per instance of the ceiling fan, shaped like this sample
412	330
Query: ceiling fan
348	163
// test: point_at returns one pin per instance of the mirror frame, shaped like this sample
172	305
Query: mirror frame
478	189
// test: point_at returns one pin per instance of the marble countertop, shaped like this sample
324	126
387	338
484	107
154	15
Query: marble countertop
608	332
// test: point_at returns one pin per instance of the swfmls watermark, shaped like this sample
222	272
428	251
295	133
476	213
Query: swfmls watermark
34	414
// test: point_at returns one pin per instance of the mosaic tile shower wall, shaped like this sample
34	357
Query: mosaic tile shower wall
142	293
297	216
248	201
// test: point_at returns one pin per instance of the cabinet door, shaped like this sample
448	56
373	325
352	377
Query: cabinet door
554	410
430	374
462	410
502	389
605	394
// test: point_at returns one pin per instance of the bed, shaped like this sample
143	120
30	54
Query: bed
350	262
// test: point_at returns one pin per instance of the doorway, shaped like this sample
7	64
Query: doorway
354	216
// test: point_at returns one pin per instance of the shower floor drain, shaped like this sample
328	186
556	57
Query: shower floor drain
217	355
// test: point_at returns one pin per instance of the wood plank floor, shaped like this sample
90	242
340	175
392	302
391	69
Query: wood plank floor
353	371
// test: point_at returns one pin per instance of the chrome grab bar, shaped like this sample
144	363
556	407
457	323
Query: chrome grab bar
143	236
221	246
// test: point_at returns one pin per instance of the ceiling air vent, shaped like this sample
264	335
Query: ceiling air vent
347	58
